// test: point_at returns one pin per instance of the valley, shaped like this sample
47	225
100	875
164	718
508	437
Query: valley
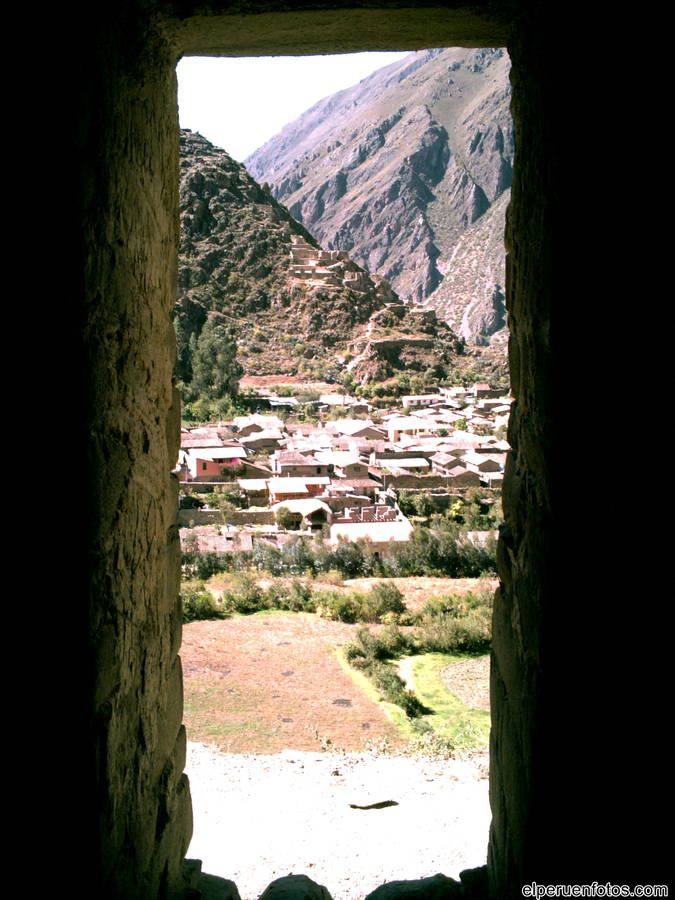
345	408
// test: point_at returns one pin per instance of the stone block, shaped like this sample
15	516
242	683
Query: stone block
212	887
295	887
436	887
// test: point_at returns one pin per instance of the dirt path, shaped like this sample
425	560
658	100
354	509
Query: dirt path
260	817
405	667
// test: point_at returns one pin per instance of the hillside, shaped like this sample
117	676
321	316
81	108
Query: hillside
397	169
289	307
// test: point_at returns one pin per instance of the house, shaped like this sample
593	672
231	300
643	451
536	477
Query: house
204	436
337	400
246	425
409	464
209	540
266	439
286	488
361	487
313	513
294	464
343	463
485	462
380	512
462	478
363	428
207	463
255	490
415	401
381	535
446	463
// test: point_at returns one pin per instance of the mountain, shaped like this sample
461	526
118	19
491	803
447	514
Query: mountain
251	275
398	170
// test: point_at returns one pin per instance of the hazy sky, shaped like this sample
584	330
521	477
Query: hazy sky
238	104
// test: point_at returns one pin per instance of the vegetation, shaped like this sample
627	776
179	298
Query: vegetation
450	720
447	624
452	624
198	603
432	551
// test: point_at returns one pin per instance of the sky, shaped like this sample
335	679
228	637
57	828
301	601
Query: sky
239	103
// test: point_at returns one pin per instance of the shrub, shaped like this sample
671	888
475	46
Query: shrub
469	633
198	603
393	689
337	607
395	643
383	598
332	576
287	519
246	596
300	597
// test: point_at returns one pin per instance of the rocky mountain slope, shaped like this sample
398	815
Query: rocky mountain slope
291	307
399	169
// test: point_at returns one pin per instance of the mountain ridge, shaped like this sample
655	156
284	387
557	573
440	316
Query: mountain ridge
290	306
395	169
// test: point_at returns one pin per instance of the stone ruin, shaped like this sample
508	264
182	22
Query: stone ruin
330	267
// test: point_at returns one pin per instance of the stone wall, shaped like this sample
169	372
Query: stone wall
418	482
141	823
199	517
252	517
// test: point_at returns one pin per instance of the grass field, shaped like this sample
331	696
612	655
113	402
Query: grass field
435	677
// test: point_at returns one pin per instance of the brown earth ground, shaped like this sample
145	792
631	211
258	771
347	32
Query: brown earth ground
266	683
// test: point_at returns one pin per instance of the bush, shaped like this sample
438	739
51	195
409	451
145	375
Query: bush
287	519
392	687
246	596
469	633
382	599
332	576
337	607
376	647
299	598
395	643
198	603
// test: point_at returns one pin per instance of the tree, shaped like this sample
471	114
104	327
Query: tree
287	519
215	370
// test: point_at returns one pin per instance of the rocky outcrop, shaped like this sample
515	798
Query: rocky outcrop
471	298
399	338
400	169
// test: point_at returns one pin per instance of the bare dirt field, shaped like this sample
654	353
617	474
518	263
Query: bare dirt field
266	683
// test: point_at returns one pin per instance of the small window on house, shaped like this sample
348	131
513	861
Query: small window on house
203	467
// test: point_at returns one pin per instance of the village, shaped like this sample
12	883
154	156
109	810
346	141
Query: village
354	473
